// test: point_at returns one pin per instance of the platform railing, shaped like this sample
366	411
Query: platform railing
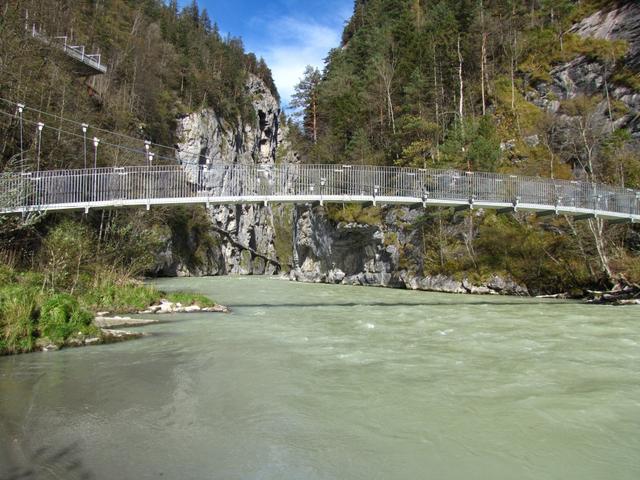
77	52
238	183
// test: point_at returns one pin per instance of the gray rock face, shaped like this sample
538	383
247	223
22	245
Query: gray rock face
622	23
351	254
246	232
585	77
355	254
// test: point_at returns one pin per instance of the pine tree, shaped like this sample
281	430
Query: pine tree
305	99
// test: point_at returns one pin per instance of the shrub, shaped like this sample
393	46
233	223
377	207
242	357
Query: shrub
354	213
18	309
65	254
61	317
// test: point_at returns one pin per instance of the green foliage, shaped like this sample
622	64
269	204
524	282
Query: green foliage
161	63
474	146
354	213
125	297
544	49
65	253
545	261
514	113
191	234
62	317
545	258
626	77
305	100
187	299
29	313
18	310
283	237
7	275
419	138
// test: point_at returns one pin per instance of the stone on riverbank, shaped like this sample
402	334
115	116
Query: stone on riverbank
117	322
80	340
166	306
624	293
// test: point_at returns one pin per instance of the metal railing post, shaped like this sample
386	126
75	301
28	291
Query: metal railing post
96	142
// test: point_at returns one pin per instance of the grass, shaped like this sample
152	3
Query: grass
62	317
627	78
544	52
131	297
187	299
18	310
30	314
121	298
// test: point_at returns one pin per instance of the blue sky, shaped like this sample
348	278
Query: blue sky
288	34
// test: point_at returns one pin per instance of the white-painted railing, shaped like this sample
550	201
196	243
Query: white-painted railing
77	52
237	183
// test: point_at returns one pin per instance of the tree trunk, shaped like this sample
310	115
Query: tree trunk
390	106
513	72
483	59
483	71
314	120
606	90
596	226
461	81
435	88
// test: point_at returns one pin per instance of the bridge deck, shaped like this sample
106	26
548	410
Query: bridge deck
242	184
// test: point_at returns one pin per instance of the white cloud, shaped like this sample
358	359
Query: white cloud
290	44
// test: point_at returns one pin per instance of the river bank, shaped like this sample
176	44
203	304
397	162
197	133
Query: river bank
35	316
623	293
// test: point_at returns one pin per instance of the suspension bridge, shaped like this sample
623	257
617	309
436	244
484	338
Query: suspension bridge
224	184
186	179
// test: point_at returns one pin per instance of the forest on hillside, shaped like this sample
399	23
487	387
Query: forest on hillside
162	61
471	85
446	83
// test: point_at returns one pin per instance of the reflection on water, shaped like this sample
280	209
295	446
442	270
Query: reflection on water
317	381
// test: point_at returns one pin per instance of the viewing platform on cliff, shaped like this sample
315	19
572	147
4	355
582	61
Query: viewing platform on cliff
84	64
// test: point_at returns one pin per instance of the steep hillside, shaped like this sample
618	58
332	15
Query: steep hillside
464	84
538	88
162	62
172	80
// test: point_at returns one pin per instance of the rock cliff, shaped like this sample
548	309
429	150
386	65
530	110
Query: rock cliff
245	235
585	76
385	254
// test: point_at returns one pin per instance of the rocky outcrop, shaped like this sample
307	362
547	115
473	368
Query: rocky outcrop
245	232
585	76
375	255
621	23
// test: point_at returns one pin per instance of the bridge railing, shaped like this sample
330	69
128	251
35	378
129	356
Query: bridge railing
111	185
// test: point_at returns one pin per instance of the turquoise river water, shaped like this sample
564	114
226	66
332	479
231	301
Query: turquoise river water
333	382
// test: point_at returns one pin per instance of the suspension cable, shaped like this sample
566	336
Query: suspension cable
80	124
102	142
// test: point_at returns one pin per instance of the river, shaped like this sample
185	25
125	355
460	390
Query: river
333	382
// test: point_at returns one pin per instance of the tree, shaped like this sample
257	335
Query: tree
305	99
385	68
